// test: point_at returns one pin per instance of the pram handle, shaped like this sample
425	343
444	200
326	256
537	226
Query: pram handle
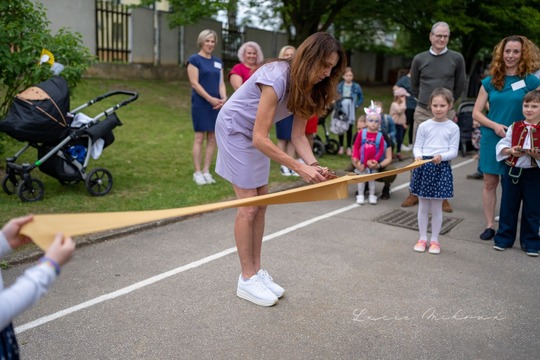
132	97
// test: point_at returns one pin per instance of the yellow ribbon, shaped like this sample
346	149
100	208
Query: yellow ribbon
43	228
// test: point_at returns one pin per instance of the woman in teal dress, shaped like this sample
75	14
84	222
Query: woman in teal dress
515	58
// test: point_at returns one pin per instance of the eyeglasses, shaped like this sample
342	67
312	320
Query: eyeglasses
441	36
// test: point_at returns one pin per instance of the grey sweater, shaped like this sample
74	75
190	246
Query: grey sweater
429	72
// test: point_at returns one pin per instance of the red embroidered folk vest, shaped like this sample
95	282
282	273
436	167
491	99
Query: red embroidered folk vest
519	134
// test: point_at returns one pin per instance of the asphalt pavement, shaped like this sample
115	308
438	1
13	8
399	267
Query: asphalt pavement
354	289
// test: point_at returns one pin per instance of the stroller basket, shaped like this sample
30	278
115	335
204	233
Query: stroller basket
58	165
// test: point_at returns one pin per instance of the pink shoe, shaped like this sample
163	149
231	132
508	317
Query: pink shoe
420	246
434	248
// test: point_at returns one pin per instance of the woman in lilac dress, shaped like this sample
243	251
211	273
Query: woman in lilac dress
304	86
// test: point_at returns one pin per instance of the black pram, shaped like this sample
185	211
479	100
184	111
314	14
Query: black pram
65	140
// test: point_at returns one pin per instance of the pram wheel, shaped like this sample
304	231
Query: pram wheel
332	147
30	191
99	182
318	148
10	183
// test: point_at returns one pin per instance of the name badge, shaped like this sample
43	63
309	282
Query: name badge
518	85
217	65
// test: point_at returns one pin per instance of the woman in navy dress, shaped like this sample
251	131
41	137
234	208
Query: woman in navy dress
205	73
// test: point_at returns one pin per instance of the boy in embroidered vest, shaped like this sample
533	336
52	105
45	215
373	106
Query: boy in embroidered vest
368	152
521	151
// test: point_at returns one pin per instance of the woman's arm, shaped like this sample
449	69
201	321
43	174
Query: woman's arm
193	75
222	88
263	124
478	114
236	81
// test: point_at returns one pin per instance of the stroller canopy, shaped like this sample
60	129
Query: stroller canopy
39	113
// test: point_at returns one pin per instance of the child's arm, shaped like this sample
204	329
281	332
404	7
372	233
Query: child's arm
36	280
453	147
419	143
504	148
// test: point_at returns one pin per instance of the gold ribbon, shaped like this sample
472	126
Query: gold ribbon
43	228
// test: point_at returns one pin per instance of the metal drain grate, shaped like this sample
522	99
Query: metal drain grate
409	220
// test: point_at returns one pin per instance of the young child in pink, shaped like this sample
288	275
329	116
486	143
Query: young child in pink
368	151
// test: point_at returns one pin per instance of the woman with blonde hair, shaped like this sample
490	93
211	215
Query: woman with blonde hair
250	56
303	87
205	73
514	60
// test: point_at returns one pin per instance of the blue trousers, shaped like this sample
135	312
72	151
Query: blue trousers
526	192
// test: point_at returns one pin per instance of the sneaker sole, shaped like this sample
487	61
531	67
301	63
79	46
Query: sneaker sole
254	300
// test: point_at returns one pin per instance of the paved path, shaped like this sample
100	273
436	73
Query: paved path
355	289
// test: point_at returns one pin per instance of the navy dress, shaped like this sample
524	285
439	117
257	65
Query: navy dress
202	114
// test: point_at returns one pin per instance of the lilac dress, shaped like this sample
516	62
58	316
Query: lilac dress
238	161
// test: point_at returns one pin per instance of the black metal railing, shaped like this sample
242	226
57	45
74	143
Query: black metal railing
112	32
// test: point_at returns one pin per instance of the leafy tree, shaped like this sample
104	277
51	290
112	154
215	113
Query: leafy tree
185	12
23	34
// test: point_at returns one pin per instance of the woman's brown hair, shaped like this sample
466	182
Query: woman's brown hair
530	60
307	96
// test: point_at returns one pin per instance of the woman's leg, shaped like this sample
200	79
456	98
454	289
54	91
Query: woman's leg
409	113
400	131
210	149
489	198
197	150
249	230
290	150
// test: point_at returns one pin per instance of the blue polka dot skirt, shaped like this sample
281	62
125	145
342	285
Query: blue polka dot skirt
431	181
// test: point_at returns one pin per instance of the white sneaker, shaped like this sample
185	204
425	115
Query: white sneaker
373	199
270	284
285	171
406	147
208	178
255	291
360	199
199	178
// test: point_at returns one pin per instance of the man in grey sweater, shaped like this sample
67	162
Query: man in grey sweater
437	67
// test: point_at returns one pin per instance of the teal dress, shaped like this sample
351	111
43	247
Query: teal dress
505	107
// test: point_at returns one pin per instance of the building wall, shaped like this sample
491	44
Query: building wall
76	16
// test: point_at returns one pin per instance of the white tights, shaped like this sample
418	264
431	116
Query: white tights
362	187
425	206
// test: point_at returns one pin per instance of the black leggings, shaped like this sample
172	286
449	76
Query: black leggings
349	137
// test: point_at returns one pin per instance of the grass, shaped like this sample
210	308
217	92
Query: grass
150	160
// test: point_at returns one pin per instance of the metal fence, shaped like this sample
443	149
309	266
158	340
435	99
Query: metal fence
112	32
233	38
